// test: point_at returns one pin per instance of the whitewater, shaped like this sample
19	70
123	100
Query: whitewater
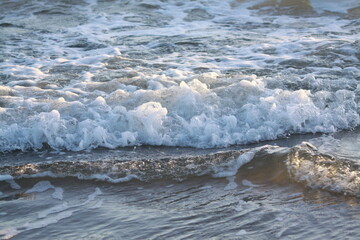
178	74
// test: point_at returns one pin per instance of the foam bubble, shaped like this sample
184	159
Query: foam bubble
232	184
5	177
247	183
93	195
13	184
58	193
43	222
206	187
41	186
241	232
98	204
56	209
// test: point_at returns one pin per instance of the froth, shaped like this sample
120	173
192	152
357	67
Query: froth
193	74
306	164
187	114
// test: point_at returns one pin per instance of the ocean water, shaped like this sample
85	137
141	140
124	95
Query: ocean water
166	119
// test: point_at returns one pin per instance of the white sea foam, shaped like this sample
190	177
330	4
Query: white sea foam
206	187
201	74
6	177
43	222
92	196
41	186
13	184
247	183
58	193
51	215
232	184
232	168
104	177
59	208
308	165
98	204
189	114
241	232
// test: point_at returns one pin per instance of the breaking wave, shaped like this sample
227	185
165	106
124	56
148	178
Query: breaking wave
317	170
201	74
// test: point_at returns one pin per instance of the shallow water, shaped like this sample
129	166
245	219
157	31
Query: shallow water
260	201
179	120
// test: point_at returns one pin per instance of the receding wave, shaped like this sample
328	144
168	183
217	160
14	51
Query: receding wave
113	170
302	163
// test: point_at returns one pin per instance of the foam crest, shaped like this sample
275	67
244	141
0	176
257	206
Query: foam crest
306	164
238	163
189	114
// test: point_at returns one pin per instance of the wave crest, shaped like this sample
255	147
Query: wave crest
317	170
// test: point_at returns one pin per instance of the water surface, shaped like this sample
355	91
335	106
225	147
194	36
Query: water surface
179	120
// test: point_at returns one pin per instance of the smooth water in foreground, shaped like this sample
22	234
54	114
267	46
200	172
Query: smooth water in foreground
166	119
260	200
